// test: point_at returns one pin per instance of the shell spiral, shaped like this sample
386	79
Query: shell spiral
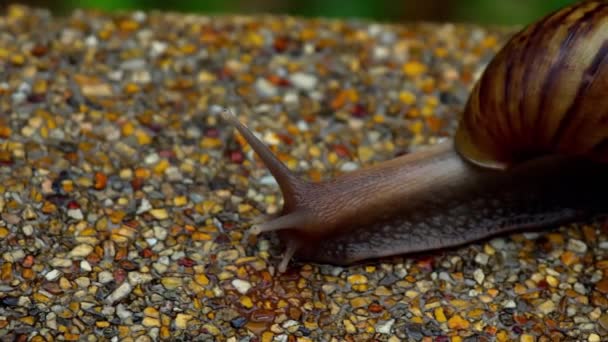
545	92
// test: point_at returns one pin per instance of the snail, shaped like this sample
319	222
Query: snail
529	152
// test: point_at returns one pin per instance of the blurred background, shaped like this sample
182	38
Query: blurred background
506	12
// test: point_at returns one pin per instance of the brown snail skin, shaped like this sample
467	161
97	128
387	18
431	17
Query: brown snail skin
530	152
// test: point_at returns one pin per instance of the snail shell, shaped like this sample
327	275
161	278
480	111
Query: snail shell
545	92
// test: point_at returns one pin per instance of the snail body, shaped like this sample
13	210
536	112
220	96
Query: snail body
530	151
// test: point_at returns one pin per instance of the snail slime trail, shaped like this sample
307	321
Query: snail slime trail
530	152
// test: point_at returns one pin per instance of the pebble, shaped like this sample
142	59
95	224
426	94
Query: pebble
385	327
479	276
159	214
547	307
242	286
303	81
577	246
80	251
265	88
121	292
75	214
53	275
482	258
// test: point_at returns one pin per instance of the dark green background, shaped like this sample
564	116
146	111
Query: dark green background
501	12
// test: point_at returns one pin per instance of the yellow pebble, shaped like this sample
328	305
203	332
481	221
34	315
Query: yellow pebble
407	97
246	302
414	68
267	336
201	279
180	201
527	338
440	315
457	322
162	165
159	214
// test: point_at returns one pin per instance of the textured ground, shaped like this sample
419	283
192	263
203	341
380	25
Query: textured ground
124	198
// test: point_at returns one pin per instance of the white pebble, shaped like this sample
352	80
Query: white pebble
381	52
577	246
144	206
75	214
157	48
385	327
152	158
81	251
60	262
509	304
160	233
291	100
479	276
603	245
122	291
303	81
28	230
349	166
83	282
53	275
91	41
482	258
104	277
122	312
265	88
137	278
85	266
241	285
593	337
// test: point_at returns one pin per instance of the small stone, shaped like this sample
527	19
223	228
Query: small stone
457	322
171	283
482	258
479	276
440	315
75	214
527	338
385	327
151	322
28	230
105	277
159	214
144	206
85	266
603	321
602	285
81	251
242	286
547	307
181	320
349	326
303	81
3	232
576	246
593	337
52	275
414	68
246	302
119	293
265	88
201	279
160	233
137	278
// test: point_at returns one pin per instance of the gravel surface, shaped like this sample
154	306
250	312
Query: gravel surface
125	197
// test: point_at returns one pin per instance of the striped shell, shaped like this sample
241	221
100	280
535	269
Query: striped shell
545	92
